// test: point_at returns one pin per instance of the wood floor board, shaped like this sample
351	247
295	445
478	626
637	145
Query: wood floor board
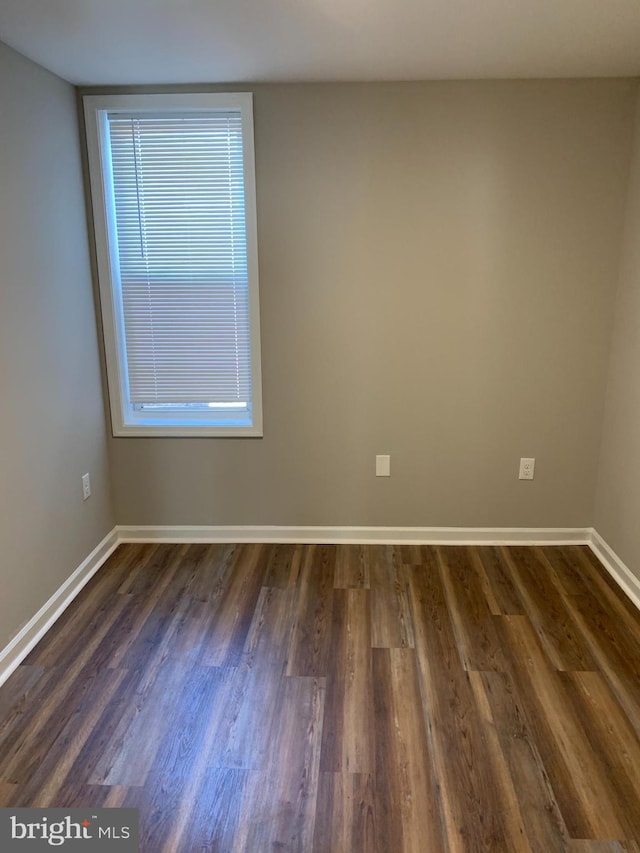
249	698
310	641
130	752
607	589
189	631
45	773
514	827
470	611
196	565
390	616
501	581
187	802
242	742
7	792
345	820
123	566
80	640
485	583
18	693
278	809
143	627
214	567
334	812
559	632
412	555
283	565
612	641
255	685
235	608
88	796
352	566
94	747
23	748
406	795
246	710
614	649
574	576
573	769
615	598
474	808
177	754
91	606
531	785
612	741
213	822
348	731
362	824
269	637
144	638
159	568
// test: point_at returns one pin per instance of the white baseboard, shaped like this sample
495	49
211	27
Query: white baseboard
16	651
358	535
621	573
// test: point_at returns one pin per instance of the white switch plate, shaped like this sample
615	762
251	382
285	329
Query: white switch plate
527	468
383	466
86	487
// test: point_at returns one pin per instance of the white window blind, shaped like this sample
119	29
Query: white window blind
179	198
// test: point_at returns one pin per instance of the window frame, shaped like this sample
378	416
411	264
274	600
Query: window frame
125	419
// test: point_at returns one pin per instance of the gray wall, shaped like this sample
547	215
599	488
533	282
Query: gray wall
52	421
618	496
437	272
438	268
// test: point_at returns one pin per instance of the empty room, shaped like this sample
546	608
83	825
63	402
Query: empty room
320	433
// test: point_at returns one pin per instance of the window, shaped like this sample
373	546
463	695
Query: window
173	194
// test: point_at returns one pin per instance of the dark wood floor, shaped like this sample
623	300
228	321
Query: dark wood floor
339	698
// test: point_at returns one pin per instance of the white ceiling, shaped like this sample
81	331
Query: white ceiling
190	41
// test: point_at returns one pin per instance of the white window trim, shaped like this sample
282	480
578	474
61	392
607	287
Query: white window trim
124	423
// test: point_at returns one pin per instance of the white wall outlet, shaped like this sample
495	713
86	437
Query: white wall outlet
527	468
383	466
86	487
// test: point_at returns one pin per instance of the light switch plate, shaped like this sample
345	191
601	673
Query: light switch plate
383	466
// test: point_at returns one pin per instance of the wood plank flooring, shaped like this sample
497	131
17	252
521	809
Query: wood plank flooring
337	699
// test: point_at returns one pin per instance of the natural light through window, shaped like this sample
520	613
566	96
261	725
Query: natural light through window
174	205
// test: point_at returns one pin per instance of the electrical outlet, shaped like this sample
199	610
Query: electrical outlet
86	487
383	466
527	468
